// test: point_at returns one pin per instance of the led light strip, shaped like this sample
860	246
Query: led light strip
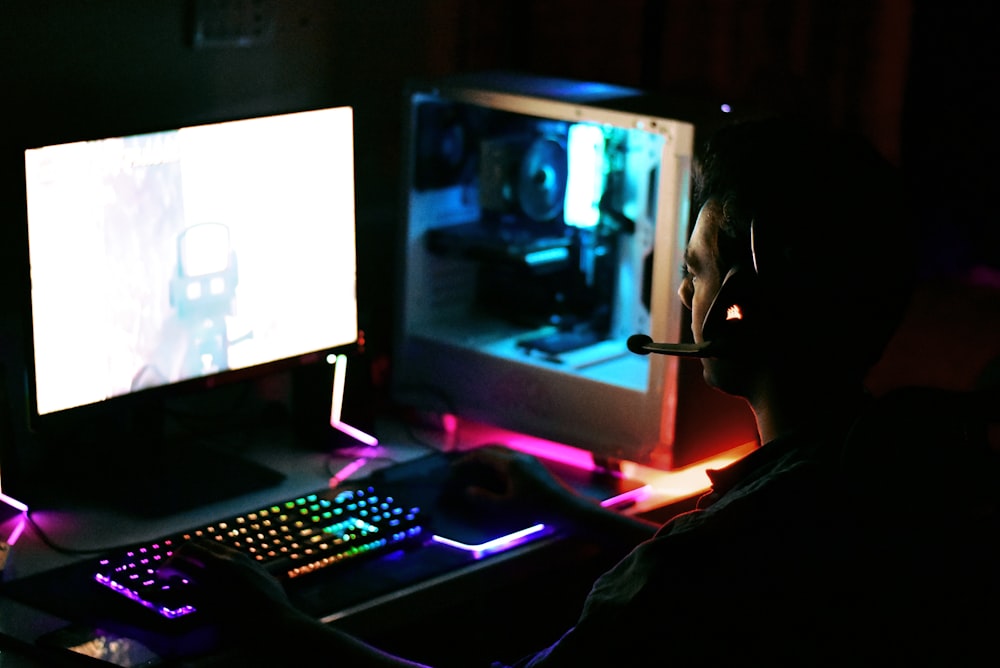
493	546
22	521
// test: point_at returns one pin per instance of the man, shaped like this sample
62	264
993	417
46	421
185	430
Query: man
782	560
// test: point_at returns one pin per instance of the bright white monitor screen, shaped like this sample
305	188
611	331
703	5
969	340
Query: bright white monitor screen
164	257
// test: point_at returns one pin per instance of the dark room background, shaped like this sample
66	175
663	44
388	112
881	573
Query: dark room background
915	76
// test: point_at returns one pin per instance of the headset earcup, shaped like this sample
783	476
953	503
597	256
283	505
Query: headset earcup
731	314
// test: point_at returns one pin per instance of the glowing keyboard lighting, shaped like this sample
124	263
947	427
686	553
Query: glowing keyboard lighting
290	539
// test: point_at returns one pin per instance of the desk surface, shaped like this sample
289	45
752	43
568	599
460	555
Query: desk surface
89	530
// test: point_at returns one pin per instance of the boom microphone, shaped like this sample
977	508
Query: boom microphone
641	344
724	325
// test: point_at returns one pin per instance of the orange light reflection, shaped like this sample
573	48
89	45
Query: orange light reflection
664	486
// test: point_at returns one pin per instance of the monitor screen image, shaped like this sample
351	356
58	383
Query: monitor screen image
182	255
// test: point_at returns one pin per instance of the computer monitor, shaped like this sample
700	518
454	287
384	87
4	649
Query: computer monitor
544	224
173	262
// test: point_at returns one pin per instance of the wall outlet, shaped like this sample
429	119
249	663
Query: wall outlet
233	23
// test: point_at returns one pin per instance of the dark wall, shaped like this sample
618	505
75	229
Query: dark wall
908	73
951	135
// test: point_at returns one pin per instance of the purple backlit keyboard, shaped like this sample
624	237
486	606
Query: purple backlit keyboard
290	539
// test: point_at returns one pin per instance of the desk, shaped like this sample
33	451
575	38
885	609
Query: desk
563	561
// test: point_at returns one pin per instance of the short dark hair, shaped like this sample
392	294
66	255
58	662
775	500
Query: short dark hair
833	243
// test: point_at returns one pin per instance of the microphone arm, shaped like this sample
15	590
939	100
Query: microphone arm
641	344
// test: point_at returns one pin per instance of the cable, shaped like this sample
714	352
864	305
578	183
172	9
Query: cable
62	549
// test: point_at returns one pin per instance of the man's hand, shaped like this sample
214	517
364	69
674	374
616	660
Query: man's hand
230	583
243	598
495	478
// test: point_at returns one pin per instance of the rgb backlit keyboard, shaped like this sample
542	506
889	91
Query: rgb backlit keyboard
290	539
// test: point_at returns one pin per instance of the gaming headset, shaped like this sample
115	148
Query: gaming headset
726	325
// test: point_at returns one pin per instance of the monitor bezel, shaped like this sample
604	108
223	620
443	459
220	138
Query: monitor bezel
65	425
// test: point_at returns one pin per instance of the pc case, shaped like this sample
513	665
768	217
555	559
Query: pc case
543	223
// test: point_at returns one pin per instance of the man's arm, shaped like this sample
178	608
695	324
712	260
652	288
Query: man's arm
525	482
242	597
610	524
299	637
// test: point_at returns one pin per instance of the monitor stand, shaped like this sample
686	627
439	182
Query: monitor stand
185	476
141	467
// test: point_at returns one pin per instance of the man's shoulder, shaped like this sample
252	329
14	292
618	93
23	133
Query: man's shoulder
794	492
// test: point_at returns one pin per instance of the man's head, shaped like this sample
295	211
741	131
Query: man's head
812	223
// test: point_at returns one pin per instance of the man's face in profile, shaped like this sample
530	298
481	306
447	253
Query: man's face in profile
702	281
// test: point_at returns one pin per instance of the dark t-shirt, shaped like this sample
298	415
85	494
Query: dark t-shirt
789	559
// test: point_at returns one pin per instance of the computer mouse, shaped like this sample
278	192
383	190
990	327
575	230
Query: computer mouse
469	483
